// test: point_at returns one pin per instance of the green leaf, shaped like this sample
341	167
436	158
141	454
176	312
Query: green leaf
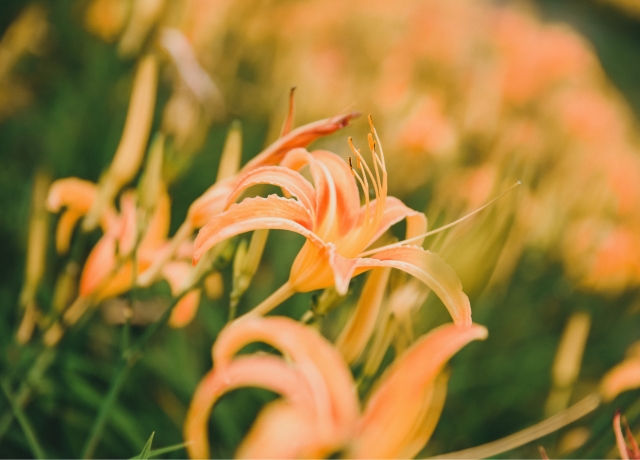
162	450
146	450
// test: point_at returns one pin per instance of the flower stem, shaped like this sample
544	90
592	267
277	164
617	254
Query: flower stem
537	431
127	361
32	440
283	293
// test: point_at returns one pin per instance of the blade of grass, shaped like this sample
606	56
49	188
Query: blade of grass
24	423
164	450
127	361
144	455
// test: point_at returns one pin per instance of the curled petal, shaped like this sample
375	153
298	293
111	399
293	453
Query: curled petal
392	411
328	378
623	377
299	137
266	371
74	193
336	180
285	178
433	271
273	212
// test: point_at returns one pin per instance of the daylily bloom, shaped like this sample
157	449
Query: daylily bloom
319	413
109	269
338	230
212	202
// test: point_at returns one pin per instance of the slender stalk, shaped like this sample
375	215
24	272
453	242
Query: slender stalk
537	431
20	416
25	390
283	293
127	362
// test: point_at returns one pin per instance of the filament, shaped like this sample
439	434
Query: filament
439	229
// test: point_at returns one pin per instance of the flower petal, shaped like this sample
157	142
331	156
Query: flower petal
327	375
394	212
185	310
392	410
290	181
356	333
74	193
265	371
623	377
299	137
210	203
273	212
281	430
432	270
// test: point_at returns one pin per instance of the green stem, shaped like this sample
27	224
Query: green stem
25	390
127	362
283	293
32	440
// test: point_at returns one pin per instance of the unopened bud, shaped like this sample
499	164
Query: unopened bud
151	185
231	153
135	135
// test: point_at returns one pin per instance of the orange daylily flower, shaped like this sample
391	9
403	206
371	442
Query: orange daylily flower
212	201
338	230
108	271
319	413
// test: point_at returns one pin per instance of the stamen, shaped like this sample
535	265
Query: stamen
439	229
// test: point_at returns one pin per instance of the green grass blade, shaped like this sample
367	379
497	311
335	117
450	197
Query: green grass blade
24	424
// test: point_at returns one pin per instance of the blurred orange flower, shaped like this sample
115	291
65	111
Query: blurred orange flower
320	412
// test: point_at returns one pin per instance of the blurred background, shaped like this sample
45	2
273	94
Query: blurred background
468	97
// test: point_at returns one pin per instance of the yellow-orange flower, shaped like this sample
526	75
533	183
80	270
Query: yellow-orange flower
338	230
319	413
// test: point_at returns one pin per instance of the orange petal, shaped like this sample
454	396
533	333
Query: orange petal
128	224
158	228
211	203
299	137
290	181
281	430
74	193
337	196
432	270
175	273
394	212
185	310
392	410
264	371
273	212
433	403
356	333
329	379
99	264
623	377
620	442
